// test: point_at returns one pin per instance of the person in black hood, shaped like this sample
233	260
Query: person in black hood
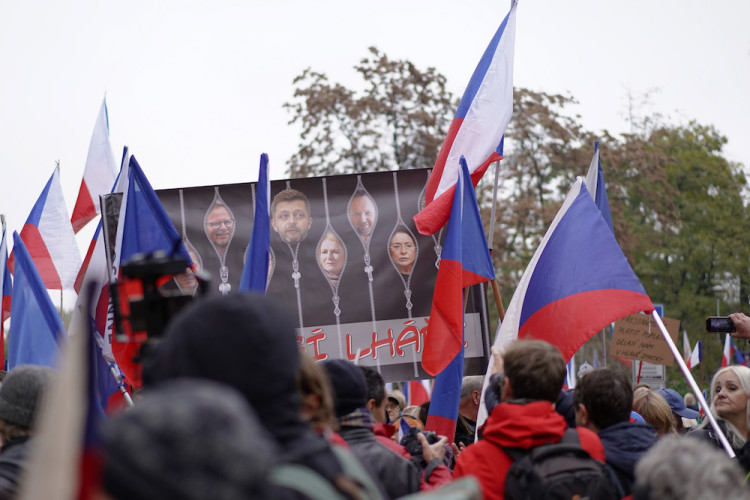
248	342
603	400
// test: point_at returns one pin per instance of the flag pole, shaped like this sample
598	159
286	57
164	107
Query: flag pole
693	385
491	237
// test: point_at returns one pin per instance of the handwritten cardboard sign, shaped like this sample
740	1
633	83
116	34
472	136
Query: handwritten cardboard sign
638	337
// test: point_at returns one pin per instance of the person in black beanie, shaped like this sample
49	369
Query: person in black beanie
248	342
396	475
20	396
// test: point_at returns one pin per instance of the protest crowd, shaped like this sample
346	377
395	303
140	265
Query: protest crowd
231	408
233	399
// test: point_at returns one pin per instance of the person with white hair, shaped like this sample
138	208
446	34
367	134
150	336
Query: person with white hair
730	405
677	468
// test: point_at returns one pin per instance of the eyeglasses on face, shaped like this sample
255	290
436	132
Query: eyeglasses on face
217	224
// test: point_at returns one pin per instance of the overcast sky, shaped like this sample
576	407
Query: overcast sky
196	88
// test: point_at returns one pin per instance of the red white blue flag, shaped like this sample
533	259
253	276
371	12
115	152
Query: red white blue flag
98	174
685	346
143	227
36	330
738	355
465	261
67	465
50	240
695	357
577	282
417	392
726	356
595	184
6	285
477	130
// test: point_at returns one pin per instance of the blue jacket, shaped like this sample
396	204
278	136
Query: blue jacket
624	444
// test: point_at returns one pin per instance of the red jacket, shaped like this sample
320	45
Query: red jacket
439	475
516	426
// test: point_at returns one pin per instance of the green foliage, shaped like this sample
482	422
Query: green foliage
398	120
679	208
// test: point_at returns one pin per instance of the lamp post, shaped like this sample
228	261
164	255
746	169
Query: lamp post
717	290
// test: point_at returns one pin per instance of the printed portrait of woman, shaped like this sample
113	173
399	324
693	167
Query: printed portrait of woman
331	257
403	251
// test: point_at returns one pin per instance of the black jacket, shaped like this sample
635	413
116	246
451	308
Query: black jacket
397	475
12	460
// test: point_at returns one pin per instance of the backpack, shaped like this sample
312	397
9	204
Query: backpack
312	485
562	470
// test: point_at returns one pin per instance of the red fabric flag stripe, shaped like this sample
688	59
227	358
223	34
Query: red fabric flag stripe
436	214
442	426
84	209
41	257
446	315
569	322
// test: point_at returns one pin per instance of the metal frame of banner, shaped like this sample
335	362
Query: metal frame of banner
693	385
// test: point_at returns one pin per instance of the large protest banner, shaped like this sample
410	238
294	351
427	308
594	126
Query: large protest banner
346	259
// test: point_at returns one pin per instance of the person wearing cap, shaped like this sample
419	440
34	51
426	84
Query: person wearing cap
395	404
21	394
396	475
603	400
682	414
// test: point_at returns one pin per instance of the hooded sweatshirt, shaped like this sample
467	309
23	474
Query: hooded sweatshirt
514	425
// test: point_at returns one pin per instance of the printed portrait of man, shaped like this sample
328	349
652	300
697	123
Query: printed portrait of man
219	227
290	215
363	214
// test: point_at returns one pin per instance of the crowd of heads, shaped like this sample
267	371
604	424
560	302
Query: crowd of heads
228	399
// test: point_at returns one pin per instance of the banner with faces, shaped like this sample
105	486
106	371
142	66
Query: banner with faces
346	260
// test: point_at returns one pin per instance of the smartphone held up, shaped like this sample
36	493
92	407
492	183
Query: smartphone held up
719	324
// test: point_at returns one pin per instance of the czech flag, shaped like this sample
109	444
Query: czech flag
695	357
98	174
595	184
738	355
685	346
465	261
50	240
6	285
143	227
477	130
726	356
91	311
67	465
417	392
577	282
255	272
36	330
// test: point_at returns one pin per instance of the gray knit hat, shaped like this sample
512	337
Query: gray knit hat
21	393
188	439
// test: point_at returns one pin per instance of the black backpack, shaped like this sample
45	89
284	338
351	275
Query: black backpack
562	470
